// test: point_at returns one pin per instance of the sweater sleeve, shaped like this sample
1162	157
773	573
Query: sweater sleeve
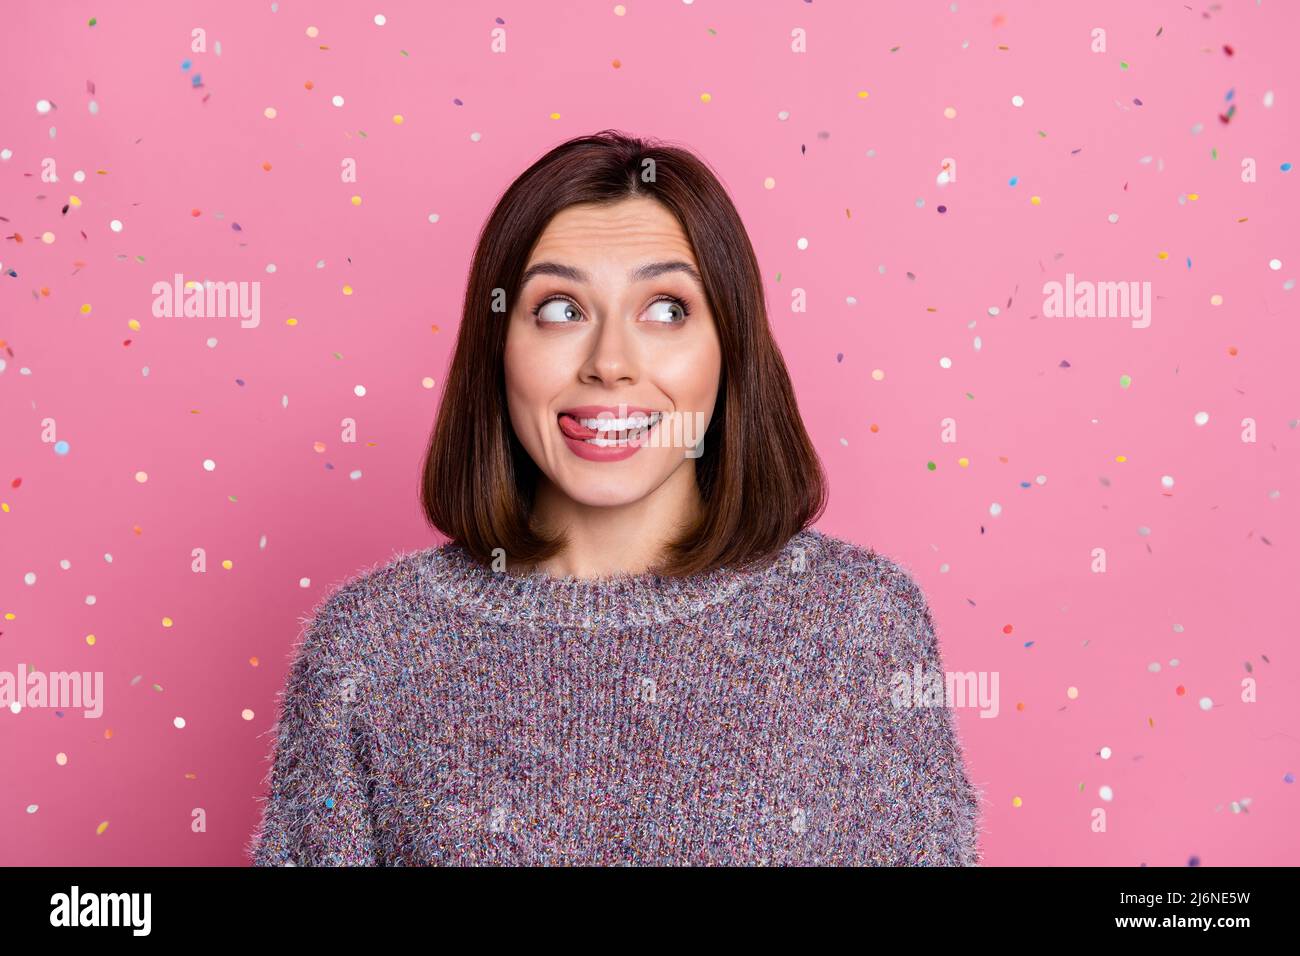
924	809
317	812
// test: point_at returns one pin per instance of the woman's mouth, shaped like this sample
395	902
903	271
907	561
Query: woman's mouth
609	432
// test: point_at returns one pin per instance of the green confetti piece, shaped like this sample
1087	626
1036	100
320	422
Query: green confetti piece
93	21
931	465
970	396
1123	65
403	52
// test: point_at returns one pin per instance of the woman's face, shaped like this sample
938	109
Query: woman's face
609	334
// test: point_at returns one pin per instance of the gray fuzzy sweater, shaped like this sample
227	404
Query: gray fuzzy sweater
437	712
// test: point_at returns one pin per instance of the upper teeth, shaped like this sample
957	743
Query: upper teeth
621	424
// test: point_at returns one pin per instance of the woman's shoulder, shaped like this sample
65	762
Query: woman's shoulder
384	597
860	571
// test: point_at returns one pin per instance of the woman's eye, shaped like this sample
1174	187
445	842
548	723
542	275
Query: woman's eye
668	310
557	312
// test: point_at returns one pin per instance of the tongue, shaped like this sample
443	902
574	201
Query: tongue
575	429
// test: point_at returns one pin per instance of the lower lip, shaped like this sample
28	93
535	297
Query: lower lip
590	452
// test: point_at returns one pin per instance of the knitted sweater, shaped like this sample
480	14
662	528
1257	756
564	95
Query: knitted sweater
437	712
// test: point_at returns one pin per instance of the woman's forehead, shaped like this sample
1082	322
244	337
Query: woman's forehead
630	229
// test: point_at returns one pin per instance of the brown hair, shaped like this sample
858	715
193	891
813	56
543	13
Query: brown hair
759	478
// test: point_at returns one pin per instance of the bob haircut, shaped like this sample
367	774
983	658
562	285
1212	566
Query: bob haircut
759	477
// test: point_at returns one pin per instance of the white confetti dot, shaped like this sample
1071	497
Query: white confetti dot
115	225
179	723
1017	100
337	100
359	391
945	362
1154	667
1275	264
7	154
1105	753
304	582
43	106
65	564
783	115
209	464
355	474
380	19
1041	479
995	509
246	714
802	243
1202	418
475	137
270	267
211	343
90	599
1113	217
1206	703
29	578
15	708
1106	793
1166	481
433	217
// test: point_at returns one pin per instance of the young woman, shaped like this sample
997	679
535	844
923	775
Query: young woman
634	649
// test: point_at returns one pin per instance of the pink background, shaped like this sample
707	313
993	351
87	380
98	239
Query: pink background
1221	541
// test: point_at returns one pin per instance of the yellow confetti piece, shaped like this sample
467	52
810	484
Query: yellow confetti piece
964	462
291	321
347	290
1216	299
90	639
1016	802
399	119
555	116
1162	255
167	622
227	564
74	201
1035	200
101	828
863	94
1193	196
133	325
85	309
1121	458
706	97
356	200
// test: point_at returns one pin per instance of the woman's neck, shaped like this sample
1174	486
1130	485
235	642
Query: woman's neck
622	539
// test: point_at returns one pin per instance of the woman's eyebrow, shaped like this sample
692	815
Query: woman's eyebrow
650	270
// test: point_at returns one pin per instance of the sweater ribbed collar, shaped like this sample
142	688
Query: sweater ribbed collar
450	573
